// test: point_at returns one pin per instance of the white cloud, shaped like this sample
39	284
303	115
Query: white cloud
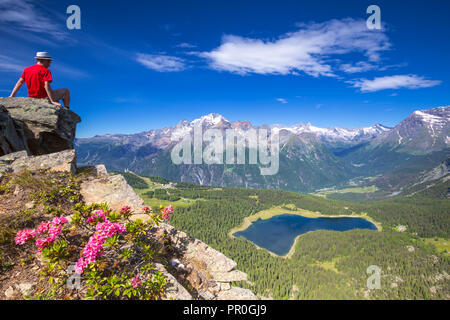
8	64
411	81
185	45
23	15
307	50
360	66
282	100
160	63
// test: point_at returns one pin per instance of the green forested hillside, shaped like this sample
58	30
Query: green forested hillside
133	180
326	264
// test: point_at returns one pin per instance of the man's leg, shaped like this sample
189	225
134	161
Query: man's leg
62	94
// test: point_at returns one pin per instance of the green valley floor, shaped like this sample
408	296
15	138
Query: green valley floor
411	246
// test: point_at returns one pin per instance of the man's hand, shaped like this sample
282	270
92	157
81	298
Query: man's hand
56	103
50	94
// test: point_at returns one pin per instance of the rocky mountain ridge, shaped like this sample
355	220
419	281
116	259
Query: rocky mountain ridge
422	132
311	158
161	137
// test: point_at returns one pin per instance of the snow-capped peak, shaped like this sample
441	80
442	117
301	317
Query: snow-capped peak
429	118
211	119
335	133
217	121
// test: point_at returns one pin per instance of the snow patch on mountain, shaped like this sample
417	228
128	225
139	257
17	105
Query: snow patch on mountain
217	121
433	122
211	119
422	132
336	133
429	117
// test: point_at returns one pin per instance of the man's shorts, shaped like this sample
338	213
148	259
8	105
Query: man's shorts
58	94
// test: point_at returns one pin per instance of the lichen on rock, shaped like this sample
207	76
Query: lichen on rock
36	126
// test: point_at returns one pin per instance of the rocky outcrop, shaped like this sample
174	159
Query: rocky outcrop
36	126
206	270
64	161
173	290
209	271
112	189
9	139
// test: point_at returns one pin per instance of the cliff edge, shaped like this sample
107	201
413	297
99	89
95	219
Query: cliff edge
36	126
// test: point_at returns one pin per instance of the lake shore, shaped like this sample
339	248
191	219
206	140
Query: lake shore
275	211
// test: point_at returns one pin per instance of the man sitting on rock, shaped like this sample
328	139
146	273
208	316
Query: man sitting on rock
38	78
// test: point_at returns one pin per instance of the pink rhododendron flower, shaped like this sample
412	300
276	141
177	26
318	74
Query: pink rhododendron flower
146	209
54	231
43	227
120	228
80	266
166	212
41	243
99	215
94	248
24	235
59	220
136	281
52	228
125	210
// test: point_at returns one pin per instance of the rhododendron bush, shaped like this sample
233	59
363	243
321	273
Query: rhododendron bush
111	253
50	231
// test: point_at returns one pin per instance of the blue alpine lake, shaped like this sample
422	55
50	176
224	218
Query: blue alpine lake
278	233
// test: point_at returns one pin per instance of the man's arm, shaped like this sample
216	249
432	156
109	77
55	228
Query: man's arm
49	93
17	87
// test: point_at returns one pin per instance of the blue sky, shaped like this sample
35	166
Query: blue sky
140	65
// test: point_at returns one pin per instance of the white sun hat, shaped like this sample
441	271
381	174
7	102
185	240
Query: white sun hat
43	55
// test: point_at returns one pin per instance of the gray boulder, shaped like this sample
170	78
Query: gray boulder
112	189
40	127
64	161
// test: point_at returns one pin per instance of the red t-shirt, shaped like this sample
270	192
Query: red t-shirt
35	77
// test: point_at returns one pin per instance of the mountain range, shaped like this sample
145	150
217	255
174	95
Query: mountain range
310	158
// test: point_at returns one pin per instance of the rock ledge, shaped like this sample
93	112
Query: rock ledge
36	126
